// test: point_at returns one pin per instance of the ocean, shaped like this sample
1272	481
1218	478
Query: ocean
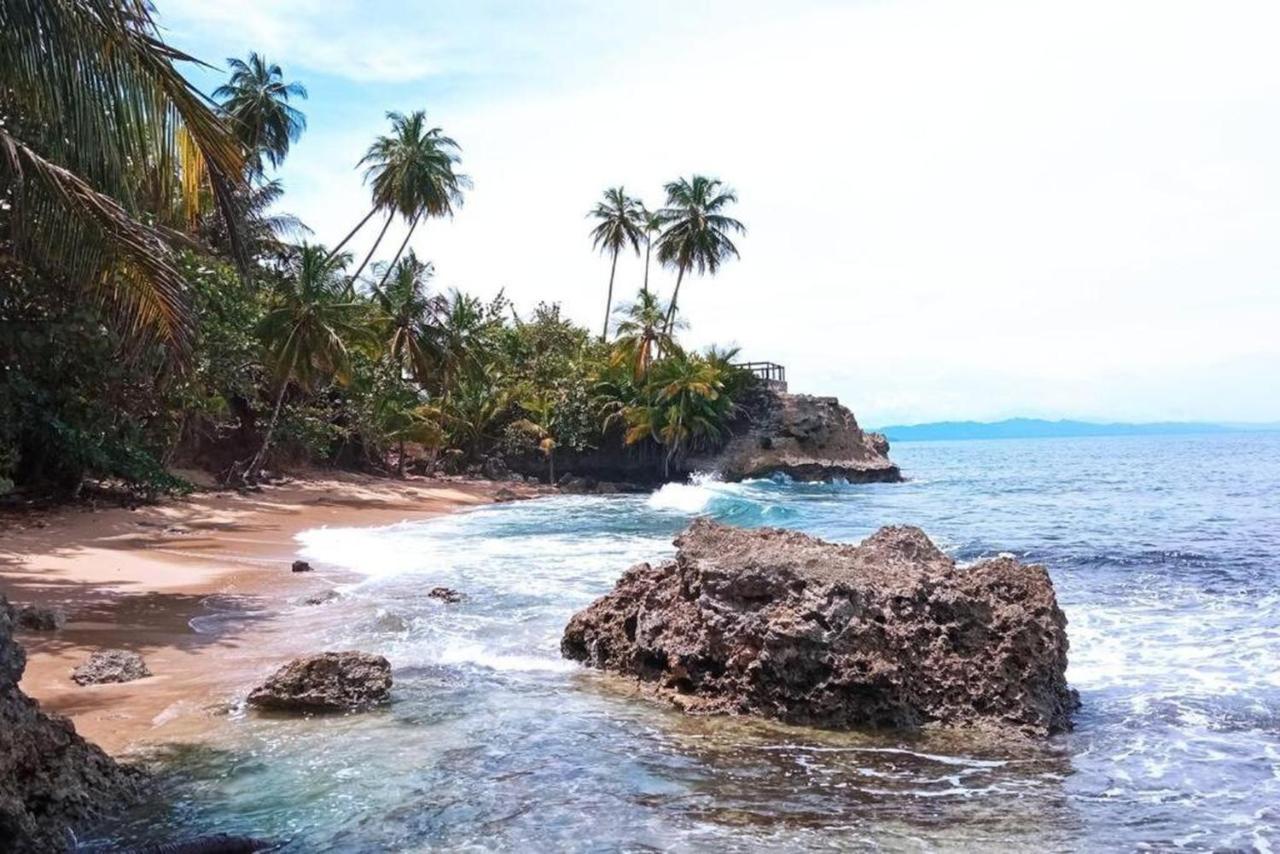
1164	551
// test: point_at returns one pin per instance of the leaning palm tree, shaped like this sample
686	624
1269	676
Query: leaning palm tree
308	331
696	231
619	222
256	102
106	151
411	173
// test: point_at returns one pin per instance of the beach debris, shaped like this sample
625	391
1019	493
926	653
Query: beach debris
301	566
328	681
38	618
110	665
445	594
888	633
51	779
320	597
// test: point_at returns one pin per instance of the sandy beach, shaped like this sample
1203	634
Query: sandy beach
196	585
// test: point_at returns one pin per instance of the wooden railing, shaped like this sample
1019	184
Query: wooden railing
773	374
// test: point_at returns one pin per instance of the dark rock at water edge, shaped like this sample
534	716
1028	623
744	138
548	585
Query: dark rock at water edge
320	597
888	633
38	618
301	566
806	438
329	681
110	665
51	779
445	594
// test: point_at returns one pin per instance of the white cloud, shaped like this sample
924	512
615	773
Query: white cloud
972	209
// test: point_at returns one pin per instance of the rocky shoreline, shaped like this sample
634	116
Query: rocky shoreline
890	633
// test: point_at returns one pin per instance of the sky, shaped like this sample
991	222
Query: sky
955	210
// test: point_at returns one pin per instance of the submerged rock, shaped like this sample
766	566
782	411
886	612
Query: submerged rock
320	597
445	594
888	633
110	665
51	779
806	438
38	618
330	681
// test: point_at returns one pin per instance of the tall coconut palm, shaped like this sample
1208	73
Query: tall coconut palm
105	149
411	173
309	329
619	222
696	230
652	227
256	102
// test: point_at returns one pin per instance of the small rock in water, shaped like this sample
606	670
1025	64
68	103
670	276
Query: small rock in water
38	618
110	665
445	594
301	566
320	597
503	495
330	681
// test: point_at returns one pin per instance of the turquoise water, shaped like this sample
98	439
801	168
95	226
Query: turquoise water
1165	552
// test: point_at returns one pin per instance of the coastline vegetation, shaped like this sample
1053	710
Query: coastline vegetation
158	310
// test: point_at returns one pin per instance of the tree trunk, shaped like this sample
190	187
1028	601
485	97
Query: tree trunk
400	466
258	458
551	468
608	305
335	250
671	311
648	246
400	251
372	249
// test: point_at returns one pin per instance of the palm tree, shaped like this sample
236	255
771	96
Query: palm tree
641	332
309	329
103	144
411	172
619	221
685	408
411	342
256	100
652	225
695	230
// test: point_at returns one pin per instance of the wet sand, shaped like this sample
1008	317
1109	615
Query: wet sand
200	586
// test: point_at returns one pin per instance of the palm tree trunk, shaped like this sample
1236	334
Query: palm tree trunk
372	249
258	458
400	466
671	312
400	251
608	305
648	246
335	250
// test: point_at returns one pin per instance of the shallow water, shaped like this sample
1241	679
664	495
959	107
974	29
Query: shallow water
1165	553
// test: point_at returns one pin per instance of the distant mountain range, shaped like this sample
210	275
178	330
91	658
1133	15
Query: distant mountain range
1036	428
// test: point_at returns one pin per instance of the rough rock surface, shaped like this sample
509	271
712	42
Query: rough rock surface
330	681
38	618
445	594
300	566
51	779
807	438
110	665
888	633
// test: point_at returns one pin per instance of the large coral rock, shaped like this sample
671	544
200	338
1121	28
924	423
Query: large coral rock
110	665
51	780
888	633
807	438
330	681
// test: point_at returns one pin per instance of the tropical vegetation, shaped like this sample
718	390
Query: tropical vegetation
160	313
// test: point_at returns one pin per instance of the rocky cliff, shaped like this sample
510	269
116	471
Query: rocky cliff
888	633
51	780
806	438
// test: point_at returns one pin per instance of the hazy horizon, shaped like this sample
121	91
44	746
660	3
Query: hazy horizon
956	212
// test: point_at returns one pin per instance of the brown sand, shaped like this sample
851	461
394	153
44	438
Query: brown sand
135	579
